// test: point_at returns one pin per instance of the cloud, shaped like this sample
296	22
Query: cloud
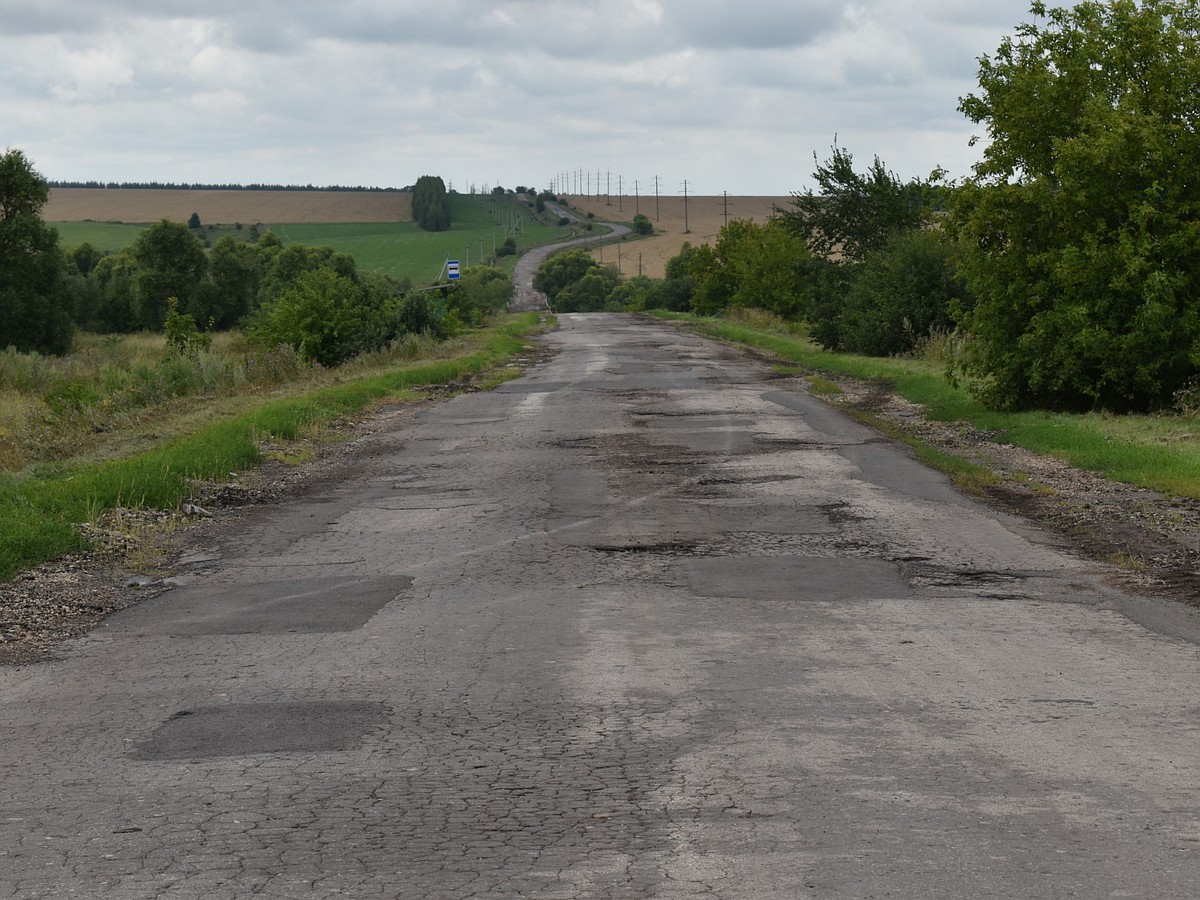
375	91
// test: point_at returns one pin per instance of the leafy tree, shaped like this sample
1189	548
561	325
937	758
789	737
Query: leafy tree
235	271
86	258
194	221
749	265
712	284
903	293
418	316
482	291
854	213
765	266
642	224
1082	221
35	299
318	315
430	203
112	288
170	262
591	292
560	271
635	294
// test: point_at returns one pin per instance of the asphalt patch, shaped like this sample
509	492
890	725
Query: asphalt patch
243	729
318	605
800	579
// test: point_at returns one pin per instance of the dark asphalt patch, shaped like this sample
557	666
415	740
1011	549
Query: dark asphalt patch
242	729
317	605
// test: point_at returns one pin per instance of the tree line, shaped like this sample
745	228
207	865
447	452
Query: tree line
1066	268
311	298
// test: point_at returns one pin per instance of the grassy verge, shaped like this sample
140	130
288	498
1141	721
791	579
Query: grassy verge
1160	452
40	515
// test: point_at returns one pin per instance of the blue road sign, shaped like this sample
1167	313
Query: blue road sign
452	269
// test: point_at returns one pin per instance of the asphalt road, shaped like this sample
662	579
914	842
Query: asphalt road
525	297
648	622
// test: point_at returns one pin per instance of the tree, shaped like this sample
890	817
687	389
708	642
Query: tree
170	263
903	293
319	315
35	300
642	224
854	213
235	272
560	271
430	204
591	292
480	292
1082	221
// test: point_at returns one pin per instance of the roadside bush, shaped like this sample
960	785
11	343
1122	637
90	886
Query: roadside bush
482	291
902	293
320	315
560	271
590	293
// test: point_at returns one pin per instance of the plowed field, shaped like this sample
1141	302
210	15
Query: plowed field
133	205
705	217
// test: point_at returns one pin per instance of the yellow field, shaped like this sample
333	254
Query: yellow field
705	217
136	206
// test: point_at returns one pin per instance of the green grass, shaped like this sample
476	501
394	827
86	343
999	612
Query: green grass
39	516
108	237
1160	452
399	249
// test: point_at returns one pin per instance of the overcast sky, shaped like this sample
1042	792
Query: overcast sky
727	95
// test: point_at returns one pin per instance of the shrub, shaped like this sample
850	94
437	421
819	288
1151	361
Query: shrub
901	294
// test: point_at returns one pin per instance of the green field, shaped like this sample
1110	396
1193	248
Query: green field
398	249
107	236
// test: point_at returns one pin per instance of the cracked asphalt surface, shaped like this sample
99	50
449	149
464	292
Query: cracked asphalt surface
647	622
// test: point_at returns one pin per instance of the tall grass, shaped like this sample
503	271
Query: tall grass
40	510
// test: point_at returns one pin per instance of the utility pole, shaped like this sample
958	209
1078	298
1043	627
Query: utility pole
637	201
608	188
725	194
620	194
686	230
657	211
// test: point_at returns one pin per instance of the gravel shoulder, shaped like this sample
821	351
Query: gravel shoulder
1150	542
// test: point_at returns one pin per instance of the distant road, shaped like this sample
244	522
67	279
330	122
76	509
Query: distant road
526	298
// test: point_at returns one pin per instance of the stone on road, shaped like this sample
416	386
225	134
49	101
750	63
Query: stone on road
648	622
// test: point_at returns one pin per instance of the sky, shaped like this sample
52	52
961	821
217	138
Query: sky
707	96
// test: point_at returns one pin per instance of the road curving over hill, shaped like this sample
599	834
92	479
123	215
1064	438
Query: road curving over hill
525	297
